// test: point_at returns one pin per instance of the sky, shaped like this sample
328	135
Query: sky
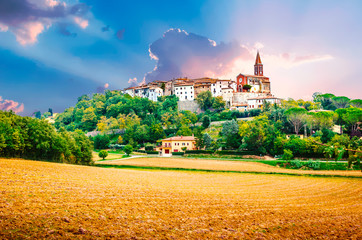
53	51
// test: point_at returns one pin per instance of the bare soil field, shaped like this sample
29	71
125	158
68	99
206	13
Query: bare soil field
41	200
223	165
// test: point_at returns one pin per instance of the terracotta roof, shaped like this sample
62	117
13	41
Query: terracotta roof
239	105
180	138
268	97
248	75
184	84
257	60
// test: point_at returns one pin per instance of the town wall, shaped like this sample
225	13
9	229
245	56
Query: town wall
192	106
242	97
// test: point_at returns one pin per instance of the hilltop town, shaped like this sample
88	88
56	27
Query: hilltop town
243	93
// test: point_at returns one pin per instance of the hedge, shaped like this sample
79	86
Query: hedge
152	152
178	153
199	152
140	151
239	153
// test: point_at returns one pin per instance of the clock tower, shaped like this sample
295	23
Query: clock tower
258	67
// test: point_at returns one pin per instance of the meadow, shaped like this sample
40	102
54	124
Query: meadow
51	200
221	165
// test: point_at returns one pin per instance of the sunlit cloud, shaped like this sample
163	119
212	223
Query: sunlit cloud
26	19
10	105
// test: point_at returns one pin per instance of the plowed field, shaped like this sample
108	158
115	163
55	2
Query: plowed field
40	200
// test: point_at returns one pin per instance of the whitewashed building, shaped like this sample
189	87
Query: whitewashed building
255	103
154	93
217	85
129	91
184	91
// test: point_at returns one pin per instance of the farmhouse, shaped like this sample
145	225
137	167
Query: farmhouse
175	144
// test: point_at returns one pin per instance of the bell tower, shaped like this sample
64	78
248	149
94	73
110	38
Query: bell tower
258	67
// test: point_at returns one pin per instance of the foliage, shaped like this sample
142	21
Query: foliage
297	117
128	149
101	141
287	155
184	131
296	164
178	153
206	121
207	140
316	165
357	103
230	134
32	138
205	100
341	102
199	137
218	103
103	154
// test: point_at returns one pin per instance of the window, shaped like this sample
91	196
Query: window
183	144
187	144
185	97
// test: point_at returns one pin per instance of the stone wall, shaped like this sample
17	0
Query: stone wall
242	97
192	106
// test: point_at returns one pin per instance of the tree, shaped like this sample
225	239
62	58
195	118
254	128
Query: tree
204	99
325	119
207	140
341	102
199	137
247	87
37	114
230	133
353	117
89	119
357	103
184	131
101	141
297	117
218	103
206	121
325	100
128	149
103	154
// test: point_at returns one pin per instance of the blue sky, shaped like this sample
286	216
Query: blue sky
53	51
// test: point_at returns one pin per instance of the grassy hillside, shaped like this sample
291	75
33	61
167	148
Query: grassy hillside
50	200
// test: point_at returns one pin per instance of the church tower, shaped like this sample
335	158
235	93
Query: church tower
258	67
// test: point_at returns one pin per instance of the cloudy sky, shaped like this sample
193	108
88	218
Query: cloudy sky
53	51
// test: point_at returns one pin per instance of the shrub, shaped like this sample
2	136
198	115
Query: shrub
288	155
199	152
238	153
206	121
178	153
152	152
296	164
314	164
149	147
128	149
103	154
101	141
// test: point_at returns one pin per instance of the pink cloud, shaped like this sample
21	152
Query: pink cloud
132	80
7	105
29	32
26	19
83	23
